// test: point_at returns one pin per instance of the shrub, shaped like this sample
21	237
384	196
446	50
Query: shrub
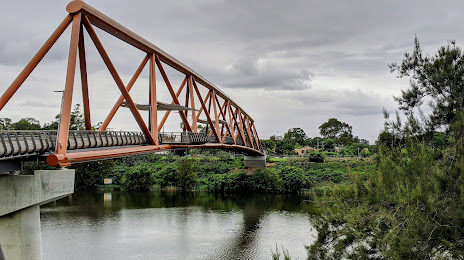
167	175
316	157
185	177
293	179
137	178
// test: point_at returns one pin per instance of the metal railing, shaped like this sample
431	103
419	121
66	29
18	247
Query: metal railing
24	143
182	138
15	142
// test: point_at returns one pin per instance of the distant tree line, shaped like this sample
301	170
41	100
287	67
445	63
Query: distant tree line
29	123
336	136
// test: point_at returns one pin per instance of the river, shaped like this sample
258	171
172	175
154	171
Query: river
170	225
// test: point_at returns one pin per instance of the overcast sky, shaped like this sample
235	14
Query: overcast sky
287	63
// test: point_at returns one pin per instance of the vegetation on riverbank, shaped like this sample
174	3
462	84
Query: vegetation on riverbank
219	173
411	204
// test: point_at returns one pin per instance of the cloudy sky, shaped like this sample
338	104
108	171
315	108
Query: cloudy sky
287	63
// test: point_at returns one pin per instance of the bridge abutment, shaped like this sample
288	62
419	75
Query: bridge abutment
20	200
254	161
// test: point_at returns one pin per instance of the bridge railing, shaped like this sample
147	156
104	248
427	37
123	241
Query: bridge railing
182	138
32	142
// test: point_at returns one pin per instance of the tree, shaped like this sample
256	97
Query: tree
268	145
75	123
295	136
5	123
435	81
335	129
27	123
185	176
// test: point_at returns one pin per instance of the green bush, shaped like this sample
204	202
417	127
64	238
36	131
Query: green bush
185	178
137	178
316	157
167	175
293	179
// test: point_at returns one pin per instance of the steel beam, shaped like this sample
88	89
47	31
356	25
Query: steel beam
118	80
84	82
153	101
55	159
204	108
171	91
118	103
65	117
165	117
119	31
9	92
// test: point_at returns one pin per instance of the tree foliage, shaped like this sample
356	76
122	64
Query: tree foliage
185	176
27	123
334	129
295	136
436	81
5	123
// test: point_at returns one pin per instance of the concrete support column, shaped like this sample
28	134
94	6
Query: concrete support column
254	161
20	200
20	234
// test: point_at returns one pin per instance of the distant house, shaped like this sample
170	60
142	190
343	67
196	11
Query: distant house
279	138
303	151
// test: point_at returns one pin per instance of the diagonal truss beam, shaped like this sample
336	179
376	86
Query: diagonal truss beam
117	79
84	82
153	116
165	117
34	61
210	122
171	91
65	117
192	104
118	103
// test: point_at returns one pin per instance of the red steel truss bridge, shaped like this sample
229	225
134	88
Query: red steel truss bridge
228	126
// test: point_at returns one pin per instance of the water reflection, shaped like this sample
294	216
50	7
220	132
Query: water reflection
170	225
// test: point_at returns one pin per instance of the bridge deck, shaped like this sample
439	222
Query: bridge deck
15	144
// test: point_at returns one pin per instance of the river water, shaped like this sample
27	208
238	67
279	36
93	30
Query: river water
170	225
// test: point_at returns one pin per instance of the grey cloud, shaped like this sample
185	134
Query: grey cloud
281	49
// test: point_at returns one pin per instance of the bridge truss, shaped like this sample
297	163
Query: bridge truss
228	126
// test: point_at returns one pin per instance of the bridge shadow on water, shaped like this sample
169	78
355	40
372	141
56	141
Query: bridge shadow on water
97	206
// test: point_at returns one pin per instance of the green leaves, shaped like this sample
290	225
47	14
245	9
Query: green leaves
436	81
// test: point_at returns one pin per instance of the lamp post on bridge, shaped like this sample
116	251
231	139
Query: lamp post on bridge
61	111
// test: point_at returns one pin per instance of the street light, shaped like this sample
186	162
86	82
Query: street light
61	111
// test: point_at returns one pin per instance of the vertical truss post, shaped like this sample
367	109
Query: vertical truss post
153	101
34	61
192	104
121	98
68	90
84	82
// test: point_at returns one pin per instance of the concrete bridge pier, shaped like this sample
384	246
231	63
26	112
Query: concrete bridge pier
20	200
254	161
